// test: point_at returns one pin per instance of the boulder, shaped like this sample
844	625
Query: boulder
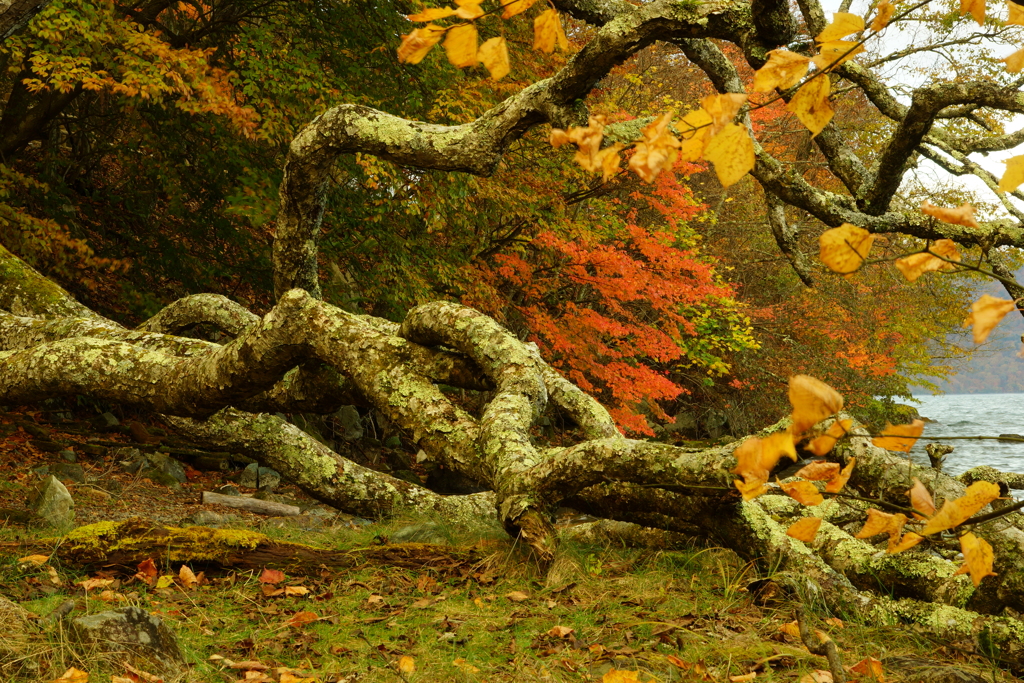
350	422
134	634
256	477
54	504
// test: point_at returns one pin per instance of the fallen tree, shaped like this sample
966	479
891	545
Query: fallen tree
307	356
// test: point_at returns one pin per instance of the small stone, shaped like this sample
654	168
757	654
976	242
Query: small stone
106	421
207	518
68	455
350	422
41	470
168	465
133	633
94	450
36	431
256	477
54	504
228	490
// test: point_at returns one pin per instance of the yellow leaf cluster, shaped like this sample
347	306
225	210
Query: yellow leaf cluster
883	15
812	402
732	153
836	483
657	151
1014	175
978	558
417	44
843	24
844	249
589	154
695	129
810	104
835	52
900	437
822	445
976	8
962	215
804	529
722	109
547	32
803	492
493	55
916	265
986	313
879	522
783	70
514	7
956	512
921	499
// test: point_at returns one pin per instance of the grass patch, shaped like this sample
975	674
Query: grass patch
671	615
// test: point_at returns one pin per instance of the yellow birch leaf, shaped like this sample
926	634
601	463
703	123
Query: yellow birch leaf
824	444
1016	17
836	483
37	560
547	32
1014	174
803	492
776	445
812	402
465	666
883	15
469	9
751	489
187	578
732	153
784	69
514	7
899	437
844	249
722	109
694	129
493	54
461	45
804	529
819	470
956	512
165	581
835	52
978	557
73	675
916	265
791	629
417	44
986	313
1015	62
658	150
406	664
909	540
843	24
879	522
748	460
961	215
921	499
431	13
811	105
976	8
609	160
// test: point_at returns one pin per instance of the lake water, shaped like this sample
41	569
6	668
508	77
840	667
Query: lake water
973	415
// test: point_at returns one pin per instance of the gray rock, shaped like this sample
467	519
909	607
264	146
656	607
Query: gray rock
67	471
54	504
350	422
228	490
686	423
36	430
715	423
427	532
134	633
168	465
68	455
106	421
207	518
256	477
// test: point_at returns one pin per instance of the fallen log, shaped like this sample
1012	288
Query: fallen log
124	545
